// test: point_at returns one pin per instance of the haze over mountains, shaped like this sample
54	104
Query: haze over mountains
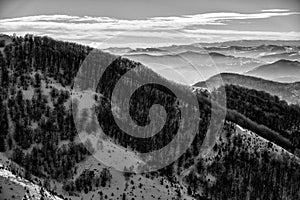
265	59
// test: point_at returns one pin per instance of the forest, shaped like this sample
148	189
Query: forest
266	109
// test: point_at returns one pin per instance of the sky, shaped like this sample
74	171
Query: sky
150	23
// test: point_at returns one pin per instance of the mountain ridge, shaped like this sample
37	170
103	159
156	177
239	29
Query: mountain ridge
286	91
278	69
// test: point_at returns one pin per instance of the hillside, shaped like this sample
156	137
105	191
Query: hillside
270	109
289	92
39	133
277	70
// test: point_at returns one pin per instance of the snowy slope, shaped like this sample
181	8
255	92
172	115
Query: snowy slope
14	187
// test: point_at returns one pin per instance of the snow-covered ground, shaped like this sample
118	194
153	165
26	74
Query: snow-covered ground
14	187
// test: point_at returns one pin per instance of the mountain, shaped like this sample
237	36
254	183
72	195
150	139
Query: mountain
277	70
40	101
289	92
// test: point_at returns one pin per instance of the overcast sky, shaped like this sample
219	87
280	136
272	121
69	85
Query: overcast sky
141	23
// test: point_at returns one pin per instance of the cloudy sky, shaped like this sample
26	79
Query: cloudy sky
141	23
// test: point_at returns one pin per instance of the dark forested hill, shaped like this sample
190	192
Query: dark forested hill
265	109
38	131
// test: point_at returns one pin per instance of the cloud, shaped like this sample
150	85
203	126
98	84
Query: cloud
275	10
152	31
223	35
155	22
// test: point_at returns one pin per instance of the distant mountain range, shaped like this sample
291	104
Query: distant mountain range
289	92
282	70
240	45
200	61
